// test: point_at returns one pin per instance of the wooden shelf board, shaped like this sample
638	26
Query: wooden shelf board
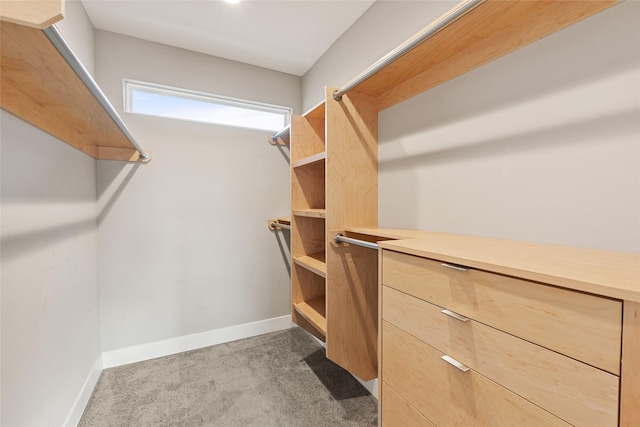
316	158
36	14
311	213
489	31
315	263
314	311
41	88
284	220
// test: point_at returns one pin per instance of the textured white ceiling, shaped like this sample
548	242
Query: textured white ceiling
287	36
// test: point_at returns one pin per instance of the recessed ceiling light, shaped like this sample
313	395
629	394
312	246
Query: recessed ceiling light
232	1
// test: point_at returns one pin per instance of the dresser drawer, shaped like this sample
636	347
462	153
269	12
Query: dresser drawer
396	412
447	396
578	393
584	327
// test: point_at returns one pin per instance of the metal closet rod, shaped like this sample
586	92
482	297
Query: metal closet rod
340	238
451	16
281	132
57	39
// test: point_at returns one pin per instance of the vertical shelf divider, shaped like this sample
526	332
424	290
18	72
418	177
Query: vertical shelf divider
352	198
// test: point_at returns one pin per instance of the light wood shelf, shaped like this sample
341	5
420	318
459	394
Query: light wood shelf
315	158
311	213
39	86
314	311
489	31
315	263
36	14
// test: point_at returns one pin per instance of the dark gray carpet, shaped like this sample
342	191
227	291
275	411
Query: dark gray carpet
281	379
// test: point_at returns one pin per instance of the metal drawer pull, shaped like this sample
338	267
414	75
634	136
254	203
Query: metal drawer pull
454	362
454	315
454	267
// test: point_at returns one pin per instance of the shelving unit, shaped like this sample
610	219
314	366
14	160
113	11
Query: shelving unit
44	83
308	279
334	163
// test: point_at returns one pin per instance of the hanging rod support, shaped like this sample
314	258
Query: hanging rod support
340	238
60	43
275	225
400	51
281	132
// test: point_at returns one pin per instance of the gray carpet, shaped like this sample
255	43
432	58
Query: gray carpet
281	379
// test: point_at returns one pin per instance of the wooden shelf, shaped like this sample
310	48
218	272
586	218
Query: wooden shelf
489	31
314	311
33	14
311	213
316	158
39	86
314	263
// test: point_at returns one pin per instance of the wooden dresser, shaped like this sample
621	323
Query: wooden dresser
486	332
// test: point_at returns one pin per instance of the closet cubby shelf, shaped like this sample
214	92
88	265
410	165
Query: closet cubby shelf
315	263
314	311
316	158
311	213
44	84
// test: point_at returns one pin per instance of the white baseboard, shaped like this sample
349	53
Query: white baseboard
138	353
73	418
371	386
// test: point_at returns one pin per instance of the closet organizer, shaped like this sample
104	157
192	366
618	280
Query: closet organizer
334	170
44	83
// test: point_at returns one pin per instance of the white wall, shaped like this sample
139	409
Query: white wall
183	242
541	145
384	26
49	247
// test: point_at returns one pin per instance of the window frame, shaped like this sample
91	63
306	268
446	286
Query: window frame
129	85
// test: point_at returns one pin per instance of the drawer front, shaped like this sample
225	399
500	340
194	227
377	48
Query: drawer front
584	327
396	412
447	396
578	393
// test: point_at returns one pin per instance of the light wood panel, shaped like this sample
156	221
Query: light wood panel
582	326
32	13
38	86
396	412
488	32
307	135
576	392
311	213
314	311
630	382
314	263
449	397
352	198
612	274
308	187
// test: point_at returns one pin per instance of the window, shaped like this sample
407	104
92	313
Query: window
164	101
